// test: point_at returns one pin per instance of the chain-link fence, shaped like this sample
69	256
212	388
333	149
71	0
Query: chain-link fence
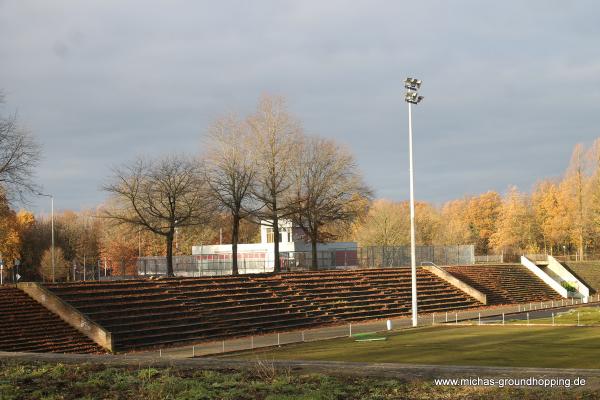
489	259
396	256
261	262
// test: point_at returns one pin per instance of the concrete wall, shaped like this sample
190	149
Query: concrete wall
530	265
68	314
454	281
564	275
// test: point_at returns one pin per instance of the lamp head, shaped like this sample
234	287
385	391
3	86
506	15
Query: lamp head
412	83
413	98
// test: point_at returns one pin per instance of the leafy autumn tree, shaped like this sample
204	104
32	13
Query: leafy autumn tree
428	224
482	213
119	248
388	224
550	215
575	201
61	266
515	228
10	233
593	195
455	228
384	225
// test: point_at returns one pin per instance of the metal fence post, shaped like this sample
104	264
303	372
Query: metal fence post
456	318
350	330
479	319
446	316
527	319
502	318
223	346
193	351
433	320
278	341
252	342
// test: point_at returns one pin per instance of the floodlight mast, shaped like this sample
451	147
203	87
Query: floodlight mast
412	97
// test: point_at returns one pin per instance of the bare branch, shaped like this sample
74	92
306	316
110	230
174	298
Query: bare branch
159	196
276	138
19	156
327	189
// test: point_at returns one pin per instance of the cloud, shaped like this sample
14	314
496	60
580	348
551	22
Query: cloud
509	87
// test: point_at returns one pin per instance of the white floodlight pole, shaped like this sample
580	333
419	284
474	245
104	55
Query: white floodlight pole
412	97
413	266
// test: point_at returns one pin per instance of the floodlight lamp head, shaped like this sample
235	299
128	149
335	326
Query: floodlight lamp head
412	83
413	98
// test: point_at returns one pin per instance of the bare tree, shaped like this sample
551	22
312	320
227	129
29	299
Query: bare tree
159	196
230	171
275	144
328	189
19	155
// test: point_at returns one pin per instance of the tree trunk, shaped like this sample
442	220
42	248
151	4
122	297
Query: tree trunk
315	261
170	253
277	261
235	233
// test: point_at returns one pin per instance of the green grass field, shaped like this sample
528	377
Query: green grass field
588	270
518	346
587	316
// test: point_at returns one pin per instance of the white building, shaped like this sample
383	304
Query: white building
294	248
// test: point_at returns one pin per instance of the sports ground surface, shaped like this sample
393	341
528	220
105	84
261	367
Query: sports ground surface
582	316
503	346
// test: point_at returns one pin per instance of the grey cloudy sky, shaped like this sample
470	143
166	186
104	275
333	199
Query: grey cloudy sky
510	86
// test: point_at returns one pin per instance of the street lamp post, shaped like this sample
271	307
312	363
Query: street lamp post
176	237
85	239
412	85
52	224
